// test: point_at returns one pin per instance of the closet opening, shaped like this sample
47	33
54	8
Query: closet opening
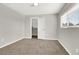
34	27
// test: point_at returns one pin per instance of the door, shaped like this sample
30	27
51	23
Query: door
34	27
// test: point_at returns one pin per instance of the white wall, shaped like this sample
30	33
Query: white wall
11	26
47	27
69	37
28	27
14	26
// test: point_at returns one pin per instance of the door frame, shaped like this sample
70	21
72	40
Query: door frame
31	18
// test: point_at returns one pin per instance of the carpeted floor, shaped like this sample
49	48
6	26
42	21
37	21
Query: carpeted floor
34	47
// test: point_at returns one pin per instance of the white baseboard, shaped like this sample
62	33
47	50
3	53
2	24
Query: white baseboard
12	42
47	39
39	38
64	47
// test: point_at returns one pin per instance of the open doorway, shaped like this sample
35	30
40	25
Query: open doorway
34	27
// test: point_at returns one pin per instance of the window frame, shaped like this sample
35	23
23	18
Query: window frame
63	17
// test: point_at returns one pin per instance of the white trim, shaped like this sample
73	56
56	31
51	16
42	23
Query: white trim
59	42
31	27
31	19
39	39
12	42
47	39
75	7
64	47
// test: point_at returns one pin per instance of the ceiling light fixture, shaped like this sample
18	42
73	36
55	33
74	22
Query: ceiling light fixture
35	4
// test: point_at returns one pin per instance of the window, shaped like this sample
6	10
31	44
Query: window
71	18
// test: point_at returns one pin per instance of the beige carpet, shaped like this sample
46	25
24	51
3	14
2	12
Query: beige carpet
34	47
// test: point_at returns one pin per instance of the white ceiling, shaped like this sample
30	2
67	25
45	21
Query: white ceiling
43	8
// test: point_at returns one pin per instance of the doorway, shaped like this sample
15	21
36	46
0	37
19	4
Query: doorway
34	27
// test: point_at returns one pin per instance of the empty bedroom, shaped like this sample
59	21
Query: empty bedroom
39	28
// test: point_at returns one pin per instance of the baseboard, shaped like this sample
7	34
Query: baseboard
12	42
47	39
64	47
